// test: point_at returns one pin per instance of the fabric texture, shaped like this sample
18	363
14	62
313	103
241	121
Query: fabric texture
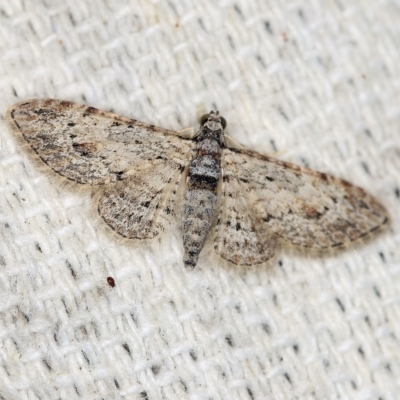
315	82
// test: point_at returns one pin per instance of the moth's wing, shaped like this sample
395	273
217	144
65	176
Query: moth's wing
238	236
144	204
296	204
136	167
89	146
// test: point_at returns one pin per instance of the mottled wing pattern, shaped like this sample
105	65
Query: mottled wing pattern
136	167
240	238
89	146
285	201
142	206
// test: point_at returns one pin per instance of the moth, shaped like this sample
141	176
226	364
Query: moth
245	202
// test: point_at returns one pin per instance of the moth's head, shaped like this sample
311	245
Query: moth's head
213	121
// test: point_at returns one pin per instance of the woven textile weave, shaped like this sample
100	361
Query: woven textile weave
316	82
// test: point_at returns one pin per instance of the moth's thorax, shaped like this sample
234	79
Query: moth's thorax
209	139
209	146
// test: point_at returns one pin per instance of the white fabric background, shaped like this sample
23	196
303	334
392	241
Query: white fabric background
318	81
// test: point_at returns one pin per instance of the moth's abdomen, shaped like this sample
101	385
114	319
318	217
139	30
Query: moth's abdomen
199	209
